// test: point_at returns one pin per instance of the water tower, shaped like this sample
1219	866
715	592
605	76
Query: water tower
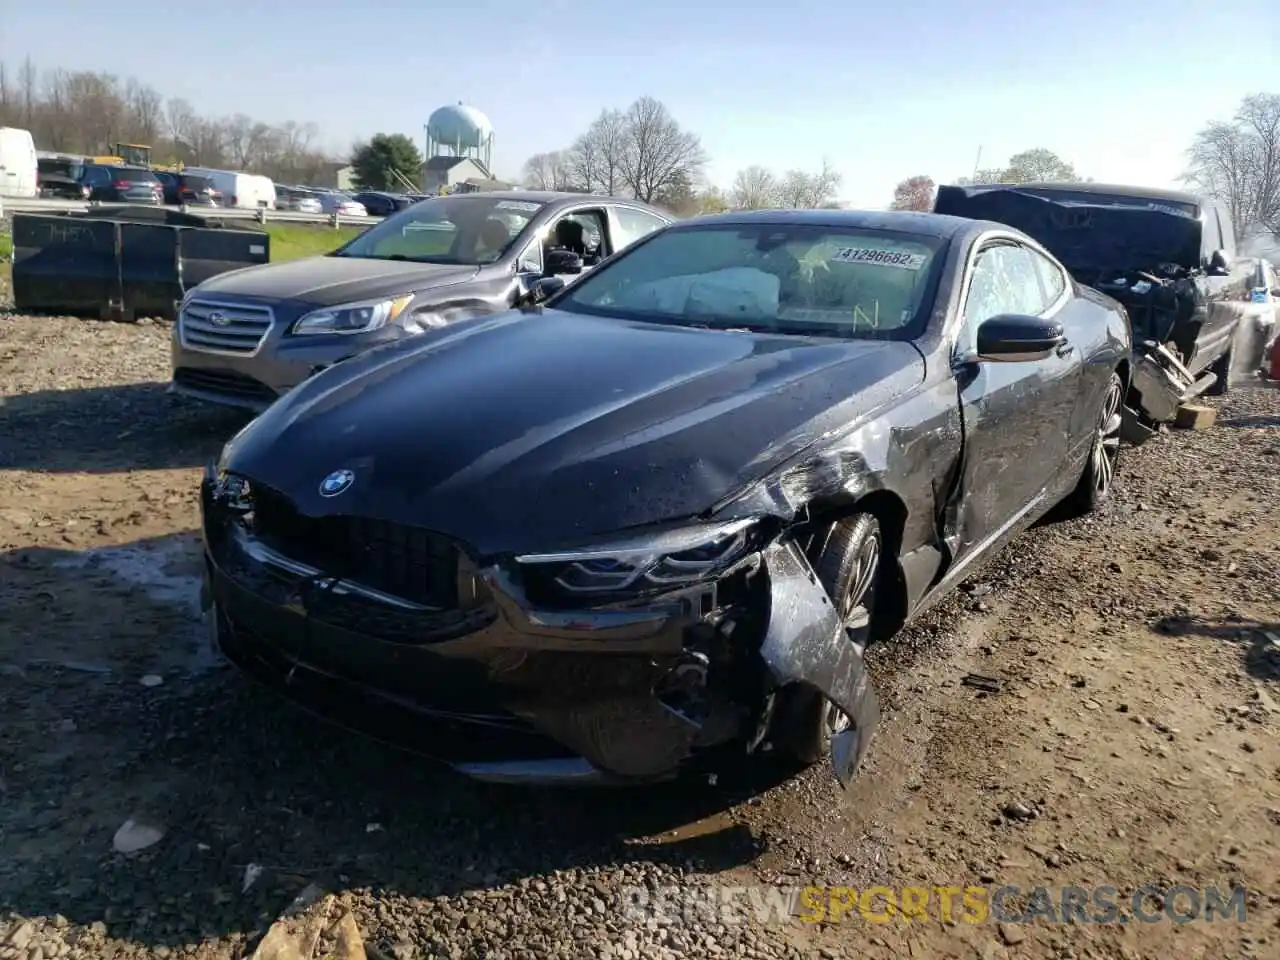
458	130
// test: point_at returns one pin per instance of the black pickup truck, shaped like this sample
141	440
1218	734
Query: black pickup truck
1168	257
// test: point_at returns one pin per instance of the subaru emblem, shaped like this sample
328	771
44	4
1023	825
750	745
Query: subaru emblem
219	319
337	482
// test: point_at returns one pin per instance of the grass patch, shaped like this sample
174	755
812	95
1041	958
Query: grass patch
6	247
292	241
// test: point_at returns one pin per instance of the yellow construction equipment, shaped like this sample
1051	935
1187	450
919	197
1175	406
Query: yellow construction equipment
134	154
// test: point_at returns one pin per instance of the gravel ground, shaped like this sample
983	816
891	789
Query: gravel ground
1131	740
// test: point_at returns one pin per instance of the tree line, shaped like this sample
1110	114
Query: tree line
642	152
84	112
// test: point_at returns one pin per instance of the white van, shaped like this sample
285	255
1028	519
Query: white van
18	169
249	191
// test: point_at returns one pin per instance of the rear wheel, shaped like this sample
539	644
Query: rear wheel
850	567
1094	488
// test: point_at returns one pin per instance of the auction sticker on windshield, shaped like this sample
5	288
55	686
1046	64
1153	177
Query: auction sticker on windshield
884	258
527	206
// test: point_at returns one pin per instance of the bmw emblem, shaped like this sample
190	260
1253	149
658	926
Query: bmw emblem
219	319
337	482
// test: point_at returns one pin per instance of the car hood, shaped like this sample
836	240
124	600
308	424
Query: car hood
1093	240
530	431
328	281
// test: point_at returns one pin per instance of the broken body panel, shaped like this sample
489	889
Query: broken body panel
1167	258
612	430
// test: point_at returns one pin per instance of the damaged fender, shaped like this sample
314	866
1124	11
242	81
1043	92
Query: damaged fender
807	643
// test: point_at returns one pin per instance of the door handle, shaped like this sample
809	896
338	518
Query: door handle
1064	349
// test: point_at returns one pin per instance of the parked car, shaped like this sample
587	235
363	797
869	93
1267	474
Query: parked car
665	510
333	201
119	183
382	204
247	337
59	178
1168	257
189	188
298	200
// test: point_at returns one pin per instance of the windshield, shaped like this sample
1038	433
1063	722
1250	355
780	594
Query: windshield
781	278
197	183
469	230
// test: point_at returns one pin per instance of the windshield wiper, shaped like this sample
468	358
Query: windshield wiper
400	257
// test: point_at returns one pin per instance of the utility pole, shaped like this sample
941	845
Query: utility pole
977	162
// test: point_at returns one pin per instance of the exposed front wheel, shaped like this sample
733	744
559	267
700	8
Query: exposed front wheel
850	567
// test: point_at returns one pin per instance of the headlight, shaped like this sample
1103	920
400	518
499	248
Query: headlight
362	317
668	559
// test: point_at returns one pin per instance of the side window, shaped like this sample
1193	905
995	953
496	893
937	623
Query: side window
583	232
531	260
634	224
1052	280
1004	280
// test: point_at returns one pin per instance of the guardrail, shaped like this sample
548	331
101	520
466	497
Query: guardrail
30	205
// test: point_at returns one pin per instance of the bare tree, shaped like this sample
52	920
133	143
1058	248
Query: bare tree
29	85
595	161
1238	163
913	193
659	155
799	189
754	188
1038	164
548	171
181	120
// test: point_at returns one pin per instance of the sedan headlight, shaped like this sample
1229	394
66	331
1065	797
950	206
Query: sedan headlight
661	561
363	317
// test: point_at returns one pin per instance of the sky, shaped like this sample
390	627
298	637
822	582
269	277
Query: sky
881	90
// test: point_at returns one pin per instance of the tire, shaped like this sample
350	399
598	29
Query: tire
850	567
1222	370
1094	487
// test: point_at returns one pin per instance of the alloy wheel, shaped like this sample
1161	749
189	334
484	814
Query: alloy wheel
856	614
1106	445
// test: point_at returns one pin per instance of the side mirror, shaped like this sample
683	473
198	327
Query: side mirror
1219	265
1013	338
540	290
562	262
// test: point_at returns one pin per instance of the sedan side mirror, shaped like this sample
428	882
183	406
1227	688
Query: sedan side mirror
1013	338
562	262
541	290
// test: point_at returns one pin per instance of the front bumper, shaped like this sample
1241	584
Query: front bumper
253	381
502	691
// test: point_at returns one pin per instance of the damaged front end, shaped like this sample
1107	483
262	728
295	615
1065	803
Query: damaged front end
628	661
1161	306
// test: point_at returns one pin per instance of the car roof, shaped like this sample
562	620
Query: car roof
924	224
549	197
1111	189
